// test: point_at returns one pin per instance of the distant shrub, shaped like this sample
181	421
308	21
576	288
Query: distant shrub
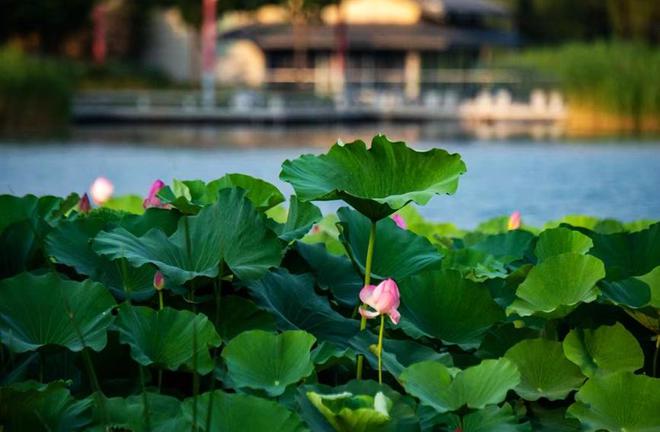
616	77
35	93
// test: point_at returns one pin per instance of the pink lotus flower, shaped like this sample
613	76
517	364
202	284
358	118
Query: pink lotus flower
159	281
84	205
399	221
514	221
152	199
384	299
101	190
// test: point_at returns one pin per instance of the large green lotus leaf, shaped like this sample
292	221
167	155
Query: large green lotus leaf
48	209
628	254
300	218
45	310
356	409
269	361
168	338
652	279
474	264
70	244
506	247
478	386
24	223
239	412
397	252
376	181
604	350
191	195
334	273
398	354
631	292
147	412
127	203
560	280
347	412
557	241
446	306
296	306
238	314
34	407
544	370
262	194
230	231
490	419
618	402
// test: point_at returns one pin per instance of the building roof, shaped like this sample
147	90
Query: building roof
422	36
440	8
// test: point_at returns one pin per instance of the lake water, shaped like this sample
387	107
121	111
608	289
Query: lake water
543	178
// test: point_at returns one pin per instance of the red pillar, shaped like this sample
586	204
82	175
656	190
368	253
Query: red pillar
99	47
209	35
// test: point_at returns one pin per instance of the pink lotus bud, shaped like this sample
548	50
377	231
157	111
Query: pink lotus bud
399	221
84	205
101	190
316	229
384	299
152	199
514	220
159	281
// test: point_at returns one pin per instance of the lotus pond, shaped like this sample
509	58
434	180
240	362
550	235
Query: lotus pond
223	306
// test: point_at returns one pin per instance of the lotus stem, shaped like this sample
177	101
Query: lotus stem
195	378
655	355
380	349
217	288
93	379
161	304
145	401
367	281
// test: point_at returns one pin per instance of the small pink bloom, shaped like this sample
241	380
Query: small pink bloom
101	190
84	205
384	299
316	229
152	199
514	220
400	221
159	281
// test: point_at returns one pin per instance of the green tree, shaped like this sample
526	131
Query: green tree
51	21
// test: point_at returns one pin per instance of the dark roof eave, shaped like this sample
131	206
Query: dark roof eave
423	37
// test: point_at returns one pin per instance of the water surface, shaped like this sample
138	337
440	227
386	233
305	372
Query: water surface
544	178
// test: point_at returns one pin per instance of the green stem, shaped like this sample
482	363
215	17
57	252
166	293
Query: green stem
367	281
145	402
161	304
380	349
655	355
195	378
217	291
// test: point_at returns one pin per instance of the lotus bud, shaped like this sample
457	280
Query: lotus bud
399	221
152	199
84	205
514	221
159	281
383	298
101	190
